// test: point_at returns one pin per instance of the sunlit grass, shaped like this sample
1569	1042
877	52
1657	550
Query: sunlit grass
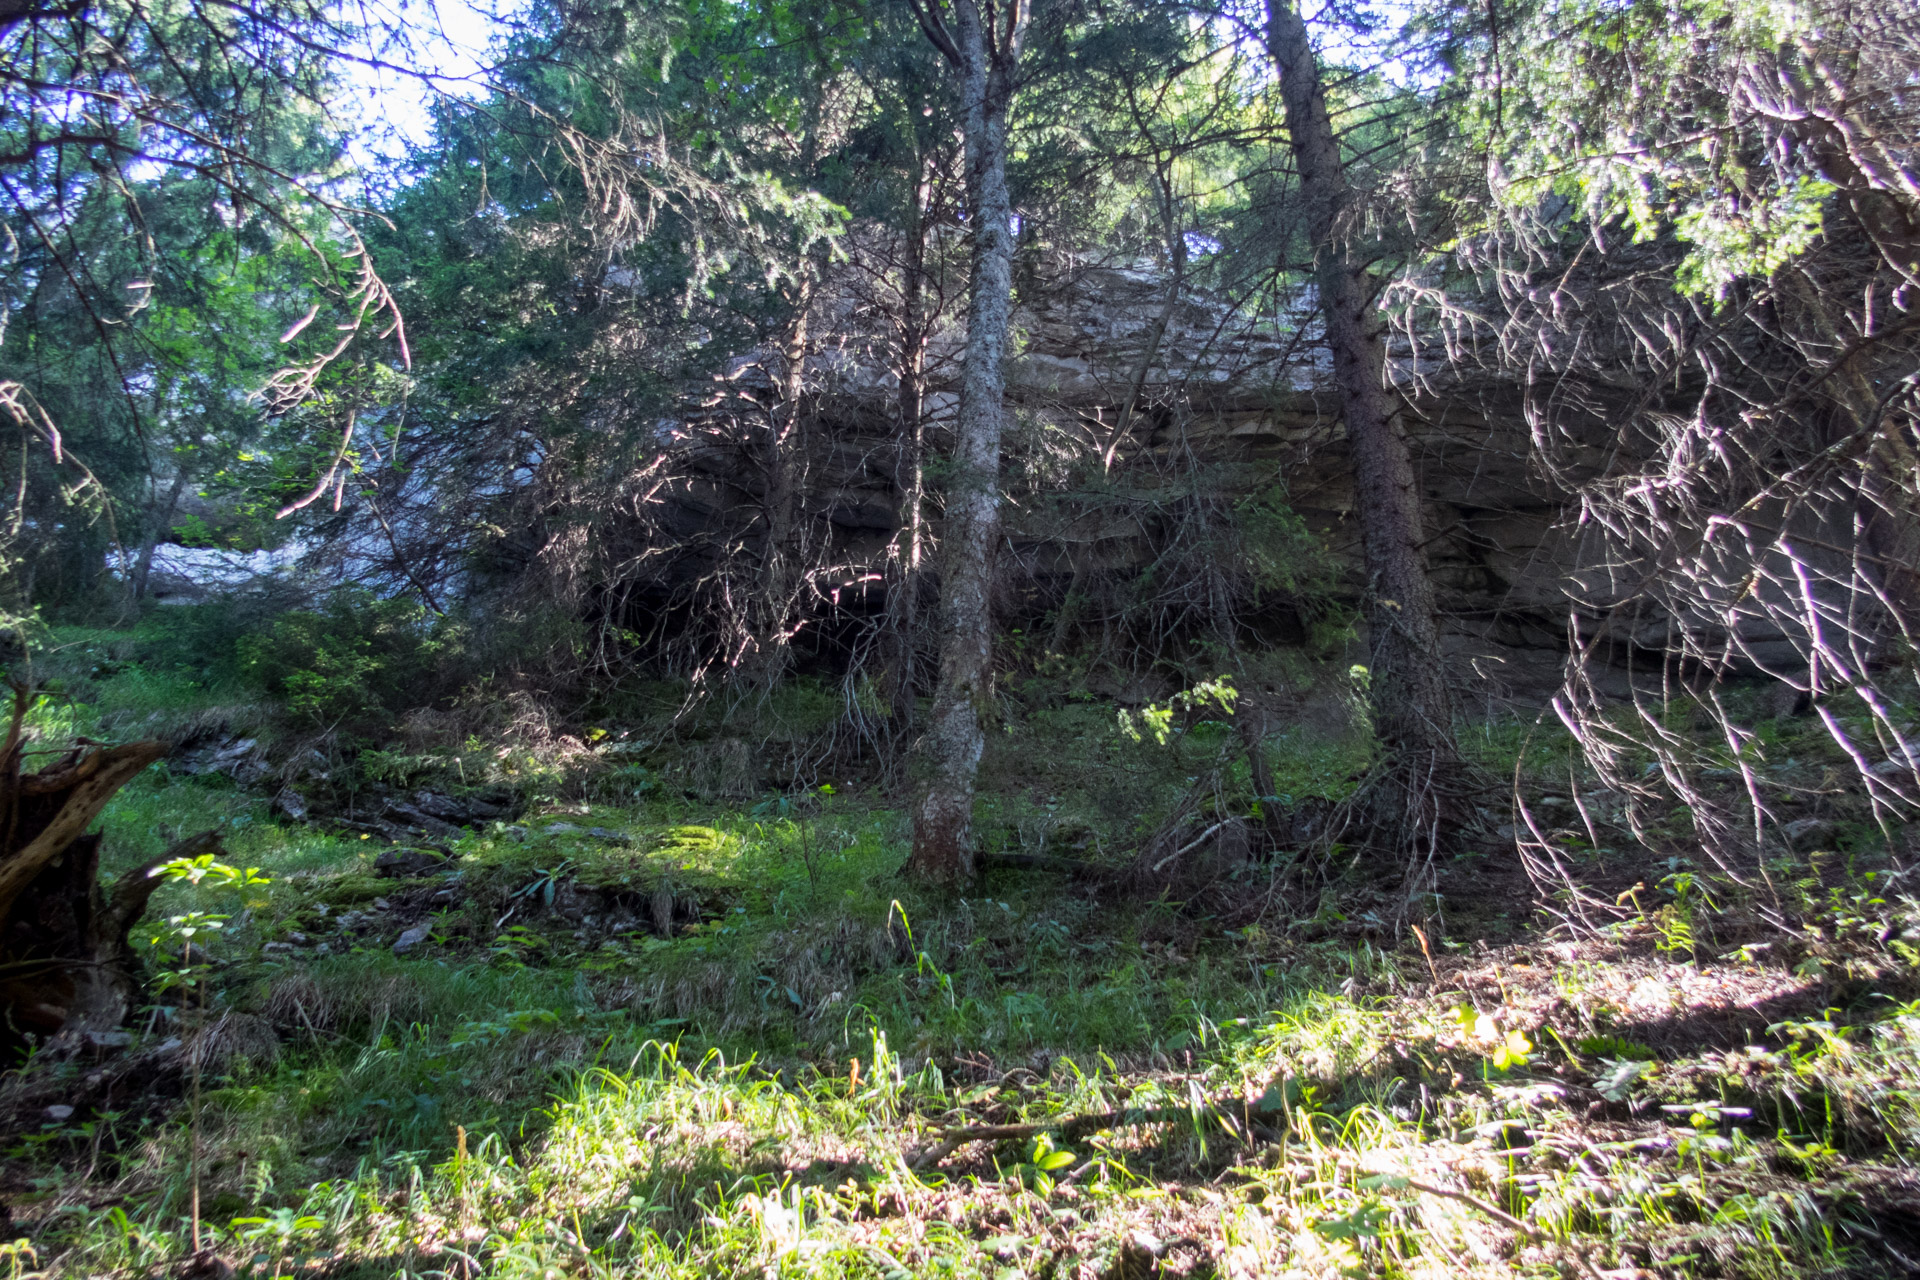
521	1094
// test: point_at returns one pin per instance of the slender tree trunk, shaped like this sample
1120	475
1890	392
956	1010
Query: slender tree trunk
786	466
1412	712
162	522
943	820
1157	332
903	598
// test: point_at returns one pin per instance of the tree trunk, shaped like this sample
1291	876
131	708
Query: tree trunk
1070	604
162	523
1157	332
783	554
909	479
66	968
1412	712
943	820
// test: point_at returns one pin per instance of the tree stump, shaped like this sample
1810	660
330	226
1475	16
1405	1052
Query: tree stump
67	971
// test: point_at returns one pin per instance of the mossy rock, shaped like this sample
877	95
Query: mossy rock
693	840
352	887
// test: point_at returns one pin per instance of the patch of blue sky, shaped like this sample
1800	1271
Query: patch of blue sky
412	54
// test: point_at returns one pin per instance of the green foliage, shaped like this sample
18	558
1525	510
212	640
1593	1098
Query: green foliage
1611	1046
204	644
1287	559
644	1030
1505	1048
1617	1081
497	1080
355	659
191	931
19	1255
173	244
1157	722
1635	113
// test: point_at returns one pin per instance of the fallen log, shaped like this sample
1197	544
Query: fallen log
1235	1114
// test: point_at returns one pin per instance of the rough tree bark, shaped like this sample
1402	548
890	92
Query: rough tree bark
1411	707
983	45
65	966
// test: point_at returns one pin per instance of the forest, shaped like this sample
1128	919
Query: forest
1087	639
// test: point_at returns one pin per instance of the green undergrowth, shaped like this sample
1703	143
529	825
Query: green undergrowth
552	1082
639	1031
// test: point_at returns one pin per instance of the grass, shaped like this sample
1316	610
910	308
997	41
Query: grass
549	1083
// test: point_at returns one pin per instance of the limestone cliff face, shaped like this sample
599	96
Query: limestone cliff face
1133	411
1218	403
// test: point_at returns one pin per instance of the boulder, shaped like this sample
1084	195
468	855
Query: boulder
465	810
405	863
242	759
290	804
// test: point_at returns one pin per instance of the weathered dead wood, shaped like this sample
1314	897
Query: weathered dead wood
66	968
1235	1114
95	780
1505	1219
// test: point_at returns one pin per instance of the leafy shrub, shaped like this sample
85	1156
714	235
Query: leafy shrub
202	642
1288	561
356	658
